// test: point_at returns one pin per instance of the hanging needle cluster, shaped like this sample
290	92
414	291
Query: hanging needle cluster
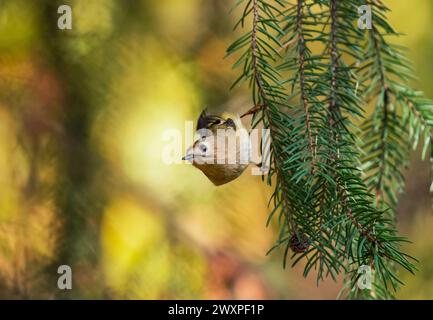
336	171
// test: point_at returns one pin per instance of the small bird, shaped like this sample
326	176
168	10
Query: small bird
222	151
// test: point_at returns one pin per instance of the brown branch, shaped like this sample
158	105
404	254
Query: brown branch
288	44
265	107
253	110
334	111
386	98
334	60
304	97
363	231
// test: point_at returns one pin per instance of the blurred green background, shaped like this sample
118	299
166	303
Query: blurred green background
82	182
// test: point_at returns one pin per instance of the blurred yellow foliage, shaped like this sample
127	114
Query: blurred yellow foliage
165	231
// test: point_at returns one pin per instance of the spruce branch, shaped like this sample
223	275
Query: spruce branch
302	52
387	73
267	95
309	101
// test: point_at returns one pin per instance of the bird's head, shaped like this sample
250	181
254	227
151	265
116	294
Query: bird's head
202	152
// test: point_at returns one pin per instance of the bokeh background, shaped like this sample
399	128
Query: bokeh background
82	182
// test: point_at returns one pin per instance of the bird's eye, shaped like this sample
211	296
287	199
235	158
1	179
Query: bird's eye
203	148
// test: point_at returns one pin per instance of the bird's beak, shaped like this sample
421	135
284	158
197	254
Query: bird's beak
189	154
188	157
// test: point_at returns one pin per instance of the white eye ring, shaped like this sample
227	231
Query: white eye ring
203	148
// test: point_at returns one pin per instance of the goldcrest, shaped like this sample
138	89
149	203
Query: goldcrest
222	151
